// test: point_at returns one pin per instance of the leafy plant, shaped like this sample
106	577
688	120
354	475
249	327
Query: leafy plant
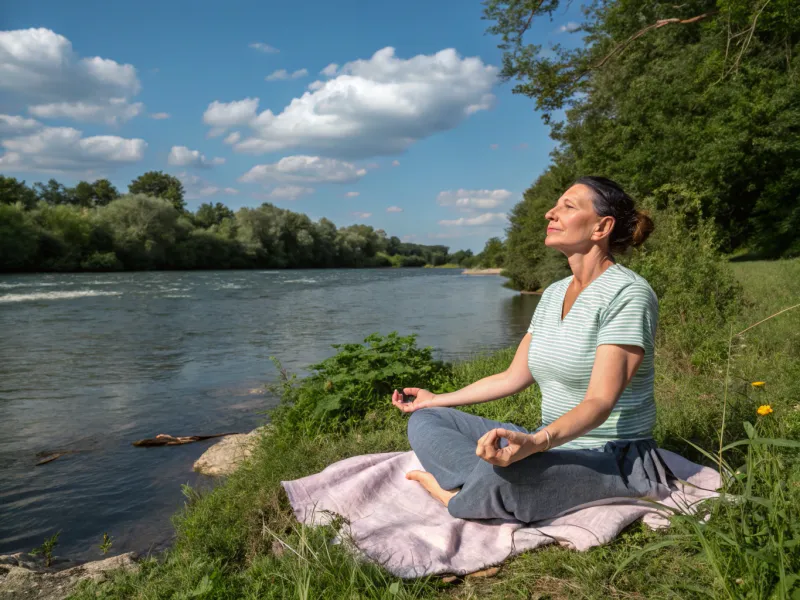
46	549
105	545
356	383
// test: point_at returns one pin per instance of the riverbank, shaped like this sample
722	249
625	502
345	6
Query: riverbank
482	271
241	540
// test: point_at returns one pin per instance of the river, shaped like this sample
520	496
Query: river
93	362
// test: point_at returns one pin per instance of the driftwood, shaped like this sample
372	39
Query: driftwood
163	439
51	456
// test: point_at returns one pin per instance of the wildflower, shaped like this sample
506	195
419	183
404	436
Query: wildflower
764	410
758	384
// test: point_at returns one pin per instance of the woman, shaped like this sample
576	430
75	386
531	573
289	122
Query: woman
590	347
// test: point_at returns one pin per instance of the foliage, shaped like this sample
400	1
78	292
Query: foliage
493	254
46	549
159	185
355	383
91	228
708	100
105	545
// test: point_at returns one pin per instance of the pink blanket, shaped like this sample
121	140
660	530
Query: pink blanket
393	521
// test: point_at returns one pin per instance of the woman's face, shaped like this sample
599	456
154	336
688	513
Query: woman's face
573	226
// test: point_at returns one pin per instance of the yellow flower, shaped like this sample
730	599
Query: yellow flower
764	410
758	383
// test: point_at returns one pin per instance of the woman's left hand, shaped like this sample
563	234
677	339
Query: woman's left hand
520	445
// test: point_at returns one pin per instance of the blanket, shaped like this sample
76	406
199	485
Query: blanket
396	523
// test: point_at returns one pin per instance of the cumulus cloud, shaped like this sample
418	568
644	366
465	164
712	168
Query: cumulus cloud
282	74
288	192
362	215
330	70
160	116
262	47
352	194
569	27
233	137
181	156
196	187
64	149
14	125
39	68
378	106
394	209
304	169
484	219
472	199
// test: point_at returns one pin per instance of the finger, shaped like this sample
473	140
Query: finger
489	442
511	435
411	391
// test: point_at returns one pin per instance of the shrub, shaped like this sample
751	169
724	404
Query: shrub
102	261
356	384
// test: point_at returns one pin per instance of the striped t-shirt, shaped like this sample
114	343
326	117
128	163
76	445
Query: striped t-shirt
618	307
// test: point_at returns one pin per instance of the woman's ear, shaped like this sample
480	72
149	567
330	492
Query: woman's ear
604	228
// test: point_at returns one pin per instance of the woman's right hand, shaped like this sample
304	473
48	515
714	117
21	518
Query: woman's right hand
422	398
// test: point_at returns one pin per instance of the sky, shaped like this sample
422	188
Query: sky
389	114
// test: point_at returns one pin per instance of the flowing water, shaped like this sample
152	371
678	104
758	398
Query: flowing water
91	363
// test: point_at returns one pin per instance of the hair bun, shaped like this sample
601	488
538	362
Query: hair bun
644	227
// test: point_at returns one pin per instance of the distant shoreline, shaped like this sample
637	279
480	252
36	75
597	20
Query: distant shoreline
481	271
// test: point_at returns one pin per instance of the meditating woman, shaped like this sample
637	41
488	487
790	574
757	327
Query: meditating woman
590	348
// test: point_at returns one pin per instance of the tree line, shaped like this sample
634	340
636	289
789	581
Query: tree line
693	107
92	227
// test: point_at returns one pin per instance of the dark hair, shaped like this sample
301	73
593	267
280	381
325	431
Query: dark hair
631	227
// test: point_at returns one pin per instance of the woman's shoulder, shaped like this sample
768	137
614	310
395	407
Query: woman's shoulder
625	285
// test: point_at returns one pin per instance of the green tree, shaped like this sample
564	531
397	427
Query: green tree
13	191
54	193
99	193
19	239
160	185
208	214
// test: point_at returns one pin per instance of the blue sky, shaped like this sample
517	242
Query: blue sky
110	89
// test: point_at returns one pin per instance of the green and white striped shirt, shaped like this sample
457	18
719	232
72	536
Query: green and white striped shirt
619	307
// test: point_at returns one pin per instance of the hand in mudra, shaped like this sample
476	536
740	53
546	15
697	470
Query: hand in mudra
520	445
422	399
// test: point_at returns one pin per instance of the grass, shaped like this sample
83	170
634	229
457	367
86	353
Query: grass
241	540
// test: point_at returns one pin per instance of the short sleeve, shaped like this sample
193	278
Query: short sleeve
539	310
631	318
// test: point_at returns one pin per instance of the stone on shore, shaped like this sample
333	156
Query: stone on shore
25	577
224	457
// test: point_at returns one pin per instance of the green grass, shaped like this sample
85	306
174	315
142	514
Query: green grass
241	540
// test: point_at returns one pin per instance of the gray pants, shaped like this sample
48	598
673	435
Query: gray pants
538	487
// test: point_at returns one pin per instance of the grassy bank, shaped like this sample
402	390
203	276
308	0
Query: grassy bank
241	541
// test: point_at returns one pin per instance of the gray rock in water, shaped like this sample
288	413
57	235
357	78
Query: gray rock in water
35	581
225	456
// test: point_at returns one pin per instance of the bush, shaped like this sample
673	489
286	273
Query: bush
696	289
356	384
102	261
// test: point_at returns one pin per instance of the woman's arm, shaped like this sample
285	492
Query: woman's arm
614	367
514	379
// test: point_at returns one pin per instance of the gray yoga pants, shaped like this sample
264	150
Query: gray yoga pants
538	487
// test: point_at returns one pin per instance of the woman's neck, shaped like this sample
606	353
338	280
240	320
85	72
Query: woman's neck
588	267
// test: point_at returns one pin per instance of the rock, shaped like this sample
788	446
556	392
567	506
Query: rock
225	456
43	583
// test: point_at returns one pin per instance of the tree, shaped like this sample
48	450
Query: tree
159	185
208	214
54	193
13	191
493	253
104	192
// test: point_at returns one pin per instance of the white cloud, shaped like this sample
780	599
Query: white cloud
233	137
484	219
221	115
14	125
330	70
195	187
304	169
377	106
282	74
39	68
394	209
472	199
181	156
362	215
569	27
352	194
262	47
63	149
289	192
494	146
160	116
112	112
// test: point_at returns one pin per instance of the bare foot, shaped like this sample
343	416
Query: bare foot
429	482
